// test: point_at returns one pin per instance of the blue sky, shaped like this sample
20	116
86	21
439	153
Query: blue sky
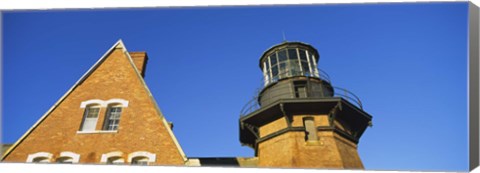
407	62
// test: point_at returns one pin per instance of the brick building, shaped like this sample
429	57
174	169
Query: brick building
109	116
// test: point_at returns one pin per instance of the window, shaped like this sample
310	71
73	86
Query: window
294	67
300	89
314	64
288	62
115	157
141	158
140	161
65	160
40	157
292	54
282	55
112	119
273	59
310	129
41	160
115	160
90	118
68	157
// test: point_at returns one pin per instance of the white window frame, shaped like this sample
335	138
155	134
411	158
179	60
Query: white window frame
150	156
102	104
85	114
33	156
109	114
122	102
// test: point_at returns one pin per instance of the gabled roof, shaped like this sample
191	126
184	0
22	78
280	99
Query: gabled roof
118	45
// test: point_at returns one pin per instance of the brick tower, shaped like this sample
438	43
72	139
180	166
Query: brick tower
298	119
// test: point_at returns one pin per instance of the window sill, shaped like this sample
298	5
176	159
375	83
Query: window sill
97	131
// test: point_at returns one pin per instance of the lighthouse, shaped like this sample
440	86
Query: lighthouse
299	118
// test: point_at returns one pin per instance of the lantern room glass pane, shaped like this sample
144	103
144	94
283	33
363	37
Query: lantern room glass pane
305	68
282	55
274	71
303	55
312	59
294	67
273	59
283	68
292	54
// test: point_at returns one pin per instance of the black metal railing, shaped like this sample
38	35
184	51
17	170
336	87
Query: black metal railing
254	104
347	95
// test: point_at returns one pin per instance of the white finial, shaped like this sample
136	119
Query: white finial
284	38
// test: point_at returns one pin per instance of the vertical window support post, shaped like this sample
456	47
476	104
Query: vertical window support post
315	64
270	69
299	62
308	60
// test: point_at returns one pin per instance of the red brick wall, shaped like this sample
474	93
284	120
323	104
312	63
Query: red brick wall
291	150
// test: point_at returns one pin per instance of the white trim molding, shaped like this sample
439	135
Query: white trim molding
151	157
97	131
33	156
84	104
122	102
106	156
75	157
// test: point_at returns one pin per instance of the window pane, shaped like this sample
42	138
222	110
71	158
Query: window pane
312	59
282	55
40	160
65	160
140	161
282	71
267	77
92	112
294	67
274	71
113	118
303	56
273	59
305	68
292	54
90	119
